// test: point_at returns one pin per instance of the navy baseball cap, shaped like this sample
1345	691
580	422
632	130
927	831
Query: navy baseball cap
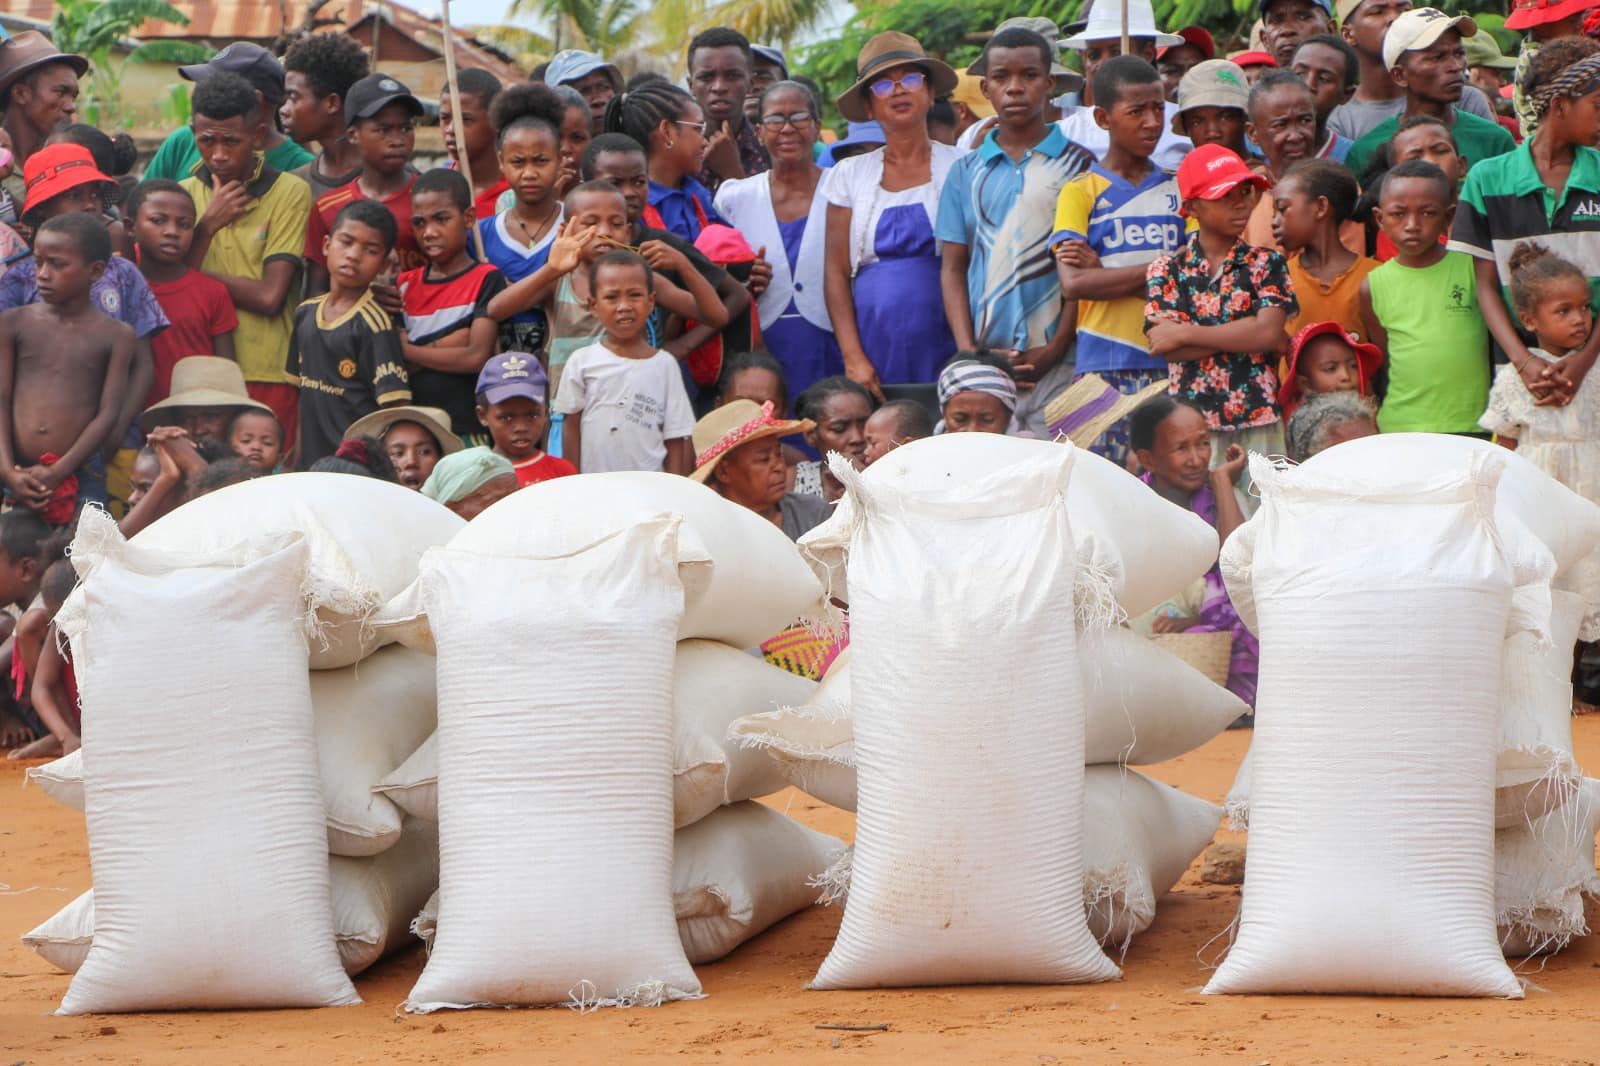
510	375
252	62
374	93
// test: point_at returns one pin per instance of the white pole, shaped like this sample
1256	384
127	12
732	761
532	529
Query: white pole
455	111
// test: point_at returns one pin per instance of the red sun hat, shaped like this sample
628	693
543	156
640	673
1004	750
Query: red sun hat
1368	359
1528	13
1199	38
1212	171
1264	59
56	168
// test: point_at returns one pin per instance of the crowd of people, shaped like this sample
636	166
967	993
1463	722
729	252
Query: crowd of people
1169	256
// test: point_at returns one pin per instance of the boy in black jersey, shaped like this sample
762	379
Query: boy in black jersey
345	348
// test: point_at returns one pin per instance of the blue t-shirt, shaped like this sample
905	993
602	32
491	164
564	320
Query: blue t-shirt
677	208
121	293
1003	211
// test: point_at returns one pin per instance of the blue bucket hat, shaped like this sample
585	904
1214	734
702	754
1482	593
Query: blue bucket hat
858	133
573	64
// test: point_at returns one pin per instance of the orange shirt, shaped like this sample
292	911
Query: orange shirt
1336	301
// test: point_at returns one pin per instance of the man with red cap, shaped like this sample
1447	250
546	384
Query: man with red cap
1176	60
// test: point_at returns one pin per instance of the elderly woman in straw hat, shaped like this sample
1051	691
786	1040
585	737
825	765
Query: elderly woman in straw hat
881	267
414	439
739	453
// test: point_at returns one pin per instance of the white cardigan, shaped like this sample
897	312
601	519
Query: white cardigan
746	204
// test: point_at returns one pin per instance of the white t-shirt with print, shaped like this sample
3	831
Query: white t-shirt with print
630	408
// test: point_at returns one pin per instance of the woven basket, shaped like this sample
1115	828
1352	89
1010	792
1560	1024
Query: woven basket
1209	653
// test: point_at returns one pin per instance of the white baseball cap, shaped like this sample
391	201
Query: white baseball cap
1419	28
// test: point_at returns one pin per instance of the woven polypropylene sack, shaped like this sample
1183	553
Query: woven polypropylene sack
742	579
373	902
1142	705
712	685
1134	549
1383	606
205	817
1542	872
1139	837
1536	772
1565	522
369	717
735	873
364	537
555	776
968	716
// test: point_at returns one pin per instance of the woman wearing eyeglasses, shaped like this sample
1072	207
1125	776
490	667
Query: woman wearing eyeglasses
881	272
671	126
784	209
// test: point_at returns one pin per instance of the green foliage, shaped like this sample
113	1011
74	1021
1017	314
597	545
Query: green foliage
94	28
176	109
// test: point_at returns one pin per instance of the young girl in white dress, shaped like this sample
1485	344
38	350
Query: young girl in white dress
1551	299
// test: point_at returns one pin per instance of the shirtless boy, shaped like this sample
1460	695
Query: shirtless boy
63	366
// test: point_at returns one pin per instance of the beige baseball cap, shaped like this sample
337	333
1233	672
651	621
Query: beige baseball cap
1213	83
1419	28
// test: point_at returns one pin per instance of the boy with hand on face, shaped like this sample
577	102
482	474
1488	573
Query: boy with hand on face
995	209
250	233
719	64
63	375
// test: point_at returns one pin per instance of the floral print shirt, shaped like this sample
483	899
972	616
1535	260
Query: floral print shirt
1234	391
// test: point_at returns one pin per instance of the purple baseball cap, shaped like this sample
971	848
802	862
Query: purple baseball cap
513	374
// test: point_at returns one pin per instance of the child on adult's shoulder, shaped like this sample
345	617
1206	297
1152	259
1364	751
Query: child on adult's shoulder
201	313
1310	204
624	398
1421	308
1551	297
1172	440
513	404
1213	106
207	393
345	349
1323	358
64	368
257	438
1216	308
977	394
42	671
449	335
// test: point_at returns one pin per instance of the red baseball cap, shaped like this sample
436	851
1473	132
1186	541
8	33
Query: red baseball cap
1368	359
1527	13
1199	38
1261	59
1212	171
55	168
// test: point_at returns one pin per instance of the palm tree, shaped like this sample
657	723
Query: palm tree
603	26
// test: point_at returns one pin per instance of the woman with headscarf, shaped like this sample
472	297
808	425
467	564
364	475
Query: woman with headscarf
414	439
977	394
882	268
739	453
469	481
783	211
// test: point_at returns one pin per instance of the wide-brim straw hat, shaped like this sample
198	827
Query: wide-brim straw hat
203	381
734	424
1092	405
30	50
433	419
888	50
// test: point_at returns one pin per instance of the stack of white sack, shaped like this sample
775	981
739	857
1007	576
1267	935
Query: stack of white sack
1142	704
967	713
1535	771
206	828
743	581
365	718
1383	599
